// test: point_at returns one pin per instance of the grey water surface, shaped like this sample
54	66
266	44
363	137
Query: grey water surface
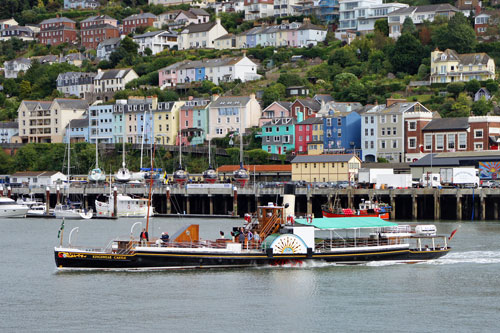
457	293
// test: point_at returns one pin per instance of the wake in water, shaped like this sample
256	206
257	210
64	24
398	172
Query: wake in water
471	257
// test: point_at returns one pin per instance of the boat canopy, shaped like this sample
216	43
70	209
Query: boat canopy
347	222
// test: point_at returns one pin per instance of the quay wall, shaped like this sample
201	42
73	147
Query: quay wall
414	203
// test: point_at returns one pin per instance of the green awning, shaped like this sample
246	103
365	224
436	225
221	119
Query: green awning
347	222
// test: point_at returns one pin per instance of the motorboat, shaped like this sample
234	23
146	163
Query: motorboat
366	208
72	211
270	239
10	208
36	207
126	207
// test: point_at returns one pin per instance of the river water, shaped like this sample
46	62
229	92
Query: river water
457	293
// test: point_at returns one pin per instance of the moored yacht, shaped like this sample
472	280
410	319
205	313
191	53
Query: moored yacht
72	211
126	207
9	208
36	207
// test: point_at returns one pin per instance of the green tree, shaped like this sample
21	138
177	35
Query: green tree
382	26
461	108
457	35
455	88
273	93
289	80
24	89
481	107
258	156
407	54
472	86
6	163
409	26
344	56
492	86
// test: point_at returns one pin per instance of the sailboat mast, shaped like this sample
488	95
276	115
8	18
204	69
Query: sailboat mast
69	149
209	160
180	151
96	153
123	139
142	141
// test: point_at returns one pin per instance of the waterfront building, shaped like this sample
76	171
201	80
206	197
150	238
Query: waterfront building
38	178
78	130
167	122
309	134
369	130
232	114
342	128
325	168
101	123
449	66
44	121
261	173
193	121
277	109
278	135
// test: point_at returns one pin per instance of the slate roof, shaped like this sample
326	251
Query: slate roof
80	122
113	74
464	59
228	101
466	158
9	124
66	103
310	103
100	17
311	121
326	158
57	20
285	121
110	41
424	9
154	33
459	123
35	173
140	16
30	105
193	28
199	12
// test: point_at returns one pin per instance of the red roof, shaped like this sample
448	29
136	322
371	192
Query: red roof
257	168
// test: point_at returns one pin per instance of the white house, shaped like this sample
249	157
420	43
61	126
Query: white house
113	79
76	83
156	41
232	114
106	47
201	35
39	178
256	9
5	23
369	133
12	68
81	4
8	129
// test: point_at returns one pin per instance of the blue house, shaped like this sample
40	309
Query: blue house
78	130
342	131
101	123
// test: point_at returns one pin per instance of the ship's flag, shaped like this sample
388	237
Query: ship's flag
452	234
60	229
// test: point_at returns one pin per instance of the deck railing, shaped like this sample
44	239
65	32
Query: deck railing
329	244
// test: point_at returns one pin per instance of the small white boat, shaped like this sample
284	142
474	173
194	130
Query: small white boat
127	207
123	175
72	212
96	175
36	207
9	208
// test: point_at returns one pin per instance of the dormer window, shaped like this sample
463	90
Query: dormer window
443	56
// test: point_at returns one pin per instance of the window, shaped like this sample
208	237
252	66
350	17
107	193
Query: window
269	129
218	131
412	143
339	132
366	130
382	119
412	125
371	145
428	142
372	119
439	141
394	118
478	134
477	145
218	121
394	131
372	131
451	141
366	120
388	131
382	144
366	144
300	138
383	130
276	139
462	141
339	122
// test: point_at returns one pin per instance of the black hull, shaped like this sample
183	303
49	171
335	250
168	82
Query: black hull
162	260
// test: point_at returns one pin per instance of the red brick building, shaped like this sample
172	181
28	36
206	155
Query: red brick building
414	122
462	134
305	108
57	30
131	23
96	29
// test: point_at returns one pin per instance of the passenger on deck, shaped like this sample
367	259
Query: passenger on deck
241	236
165	237
221	234
144	237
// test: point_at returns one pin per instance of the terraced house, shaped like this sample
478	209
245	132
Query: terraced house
278	135
193	121
97	29
57	30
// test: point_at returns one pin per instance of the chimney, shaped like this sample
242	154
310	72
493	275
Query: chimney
391	101
252	96
306	20
190	98
57	15
215	97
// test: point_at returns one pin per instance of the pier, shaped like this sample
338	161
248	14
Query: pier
412	203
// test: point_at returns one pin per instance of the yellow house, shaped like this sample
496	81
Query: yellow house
325	168
449	66
315	147
166	122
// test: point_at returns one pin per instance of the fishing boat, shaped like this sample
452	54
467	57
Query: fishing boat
284	241
10	208
367	208
126	207
180	175
210	175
